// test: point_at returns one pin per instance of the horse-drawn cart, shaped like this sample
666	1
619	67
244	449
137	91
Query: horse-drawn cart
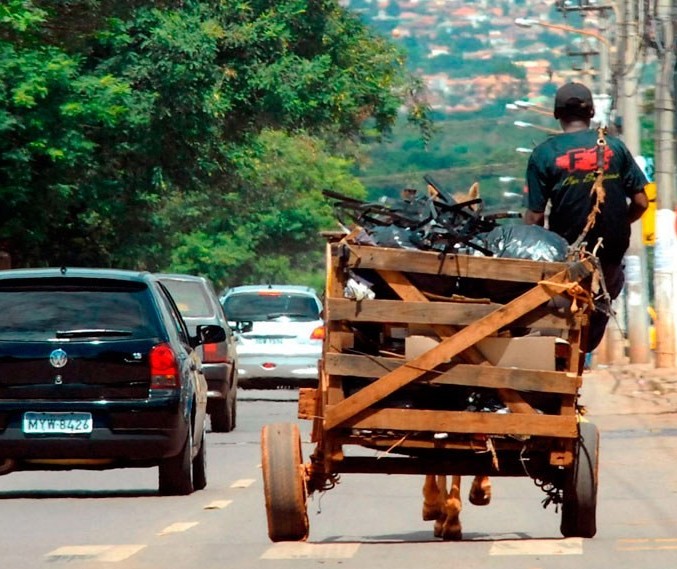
450	365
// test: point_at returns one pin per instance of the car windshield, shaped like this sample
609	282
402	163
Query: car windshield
271	305
190	298
32	314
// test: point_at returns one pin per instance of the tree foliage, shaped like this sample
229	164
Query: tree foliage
186	135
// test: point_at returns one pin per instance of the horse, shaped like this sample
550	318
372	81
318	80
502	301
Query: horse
439	503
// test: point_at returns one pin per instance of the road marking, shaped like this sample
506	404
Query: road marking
569	546
218	504
243	483
645	544
303	550
109	553
178	527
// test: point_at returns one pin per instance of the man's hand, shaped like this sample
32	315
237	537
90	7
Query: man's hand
638	205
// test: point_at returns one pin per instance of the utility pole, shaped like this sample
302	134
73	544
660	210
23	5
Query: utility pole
666	246
637	296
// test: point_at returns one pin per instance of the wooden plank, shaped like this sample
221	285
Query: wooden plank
467	422
402	286
480	464
339	341
430	262
359	366
461	374
444	351
520	379
433	313
308	403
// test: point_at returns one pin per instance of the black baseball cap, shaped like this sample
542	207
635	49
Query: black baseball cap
574	99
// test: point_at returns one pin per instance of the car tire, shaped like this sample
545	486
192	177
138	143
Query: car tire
176	472
233	411
221	417
200	465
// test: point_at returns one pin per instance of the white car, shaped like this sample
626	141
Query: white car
279	332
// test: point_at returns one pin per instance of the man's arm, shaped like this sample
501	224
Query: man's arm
639	202
535	218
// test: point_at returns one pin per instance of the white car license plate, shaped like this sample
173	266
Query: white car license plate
57	423
269	340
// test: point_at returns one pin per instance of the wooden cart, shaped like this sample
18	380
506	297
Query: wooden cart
409	374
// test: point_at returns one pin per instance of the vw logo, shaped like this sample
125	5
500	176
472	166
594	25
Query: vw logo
58	358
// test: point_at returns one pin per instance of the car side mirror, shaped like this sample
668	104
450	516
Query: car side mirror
210	334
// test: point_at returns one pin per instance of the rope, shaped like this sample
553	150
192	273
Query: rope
597	189
575	290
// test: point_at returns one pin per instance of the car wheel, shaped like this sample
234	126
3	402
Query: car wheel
233	411
200	465
221	417
176	473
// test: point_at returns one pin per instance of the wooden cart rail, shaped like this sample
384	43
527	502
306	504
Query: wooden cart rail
461	374
428	262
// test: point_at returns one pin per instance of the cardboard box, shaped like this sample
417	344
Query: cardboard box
416	345
526	352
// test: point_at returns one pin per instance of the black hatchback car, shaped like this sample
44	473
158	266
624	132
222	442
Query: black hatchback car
98	371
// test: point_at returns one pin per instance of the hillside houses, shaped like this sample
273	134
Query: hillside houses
440	36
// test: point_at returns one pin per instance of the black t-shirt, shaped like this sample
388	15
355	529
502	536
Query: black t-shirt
562	170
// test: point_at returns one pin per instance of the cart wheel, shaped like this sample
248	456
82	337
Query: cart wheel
283	482
579	507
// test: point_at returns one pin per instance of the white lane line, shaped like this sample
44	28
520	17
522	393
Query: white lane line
218	504
303	550
569	546
109	553
178	527
646	544
243	483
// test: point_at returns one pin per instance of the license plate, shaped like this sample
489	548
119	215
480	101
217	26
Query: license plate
57	423
268	340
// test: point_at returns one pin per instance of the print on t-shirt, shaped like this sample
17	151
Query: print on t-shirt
583	159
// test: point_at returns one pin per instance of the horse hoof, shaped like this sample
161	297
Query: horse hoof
480	493
451	534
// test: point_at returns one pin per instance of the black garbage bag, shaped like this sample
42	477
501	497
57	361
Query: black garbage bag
520	241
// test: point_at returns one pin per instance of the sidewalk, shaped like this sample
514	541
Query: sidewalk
612	393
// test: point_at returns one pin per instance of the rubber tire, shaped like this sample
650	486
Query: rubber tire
579	507
200	465
221	418
233	410
176	473
232	394
283	483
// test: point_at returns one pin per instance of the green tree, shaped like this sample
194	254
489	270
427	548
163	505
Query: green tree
130	127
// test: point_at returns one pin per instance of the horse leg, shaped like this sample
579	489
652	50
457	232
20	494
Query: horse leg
448	526
433	500
480	491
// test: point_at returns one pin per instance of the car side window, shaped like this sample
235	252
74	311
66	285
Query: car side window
175	316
